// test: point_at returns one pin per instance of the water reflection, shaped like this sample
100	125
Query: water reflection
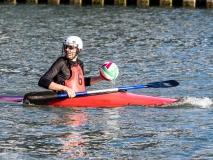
73	144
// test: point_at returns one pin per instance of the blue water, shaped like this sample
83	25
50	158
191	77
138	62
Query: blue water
147	44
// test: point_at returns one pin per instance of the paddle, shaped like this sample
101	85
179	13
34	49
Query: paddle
161	84
43	97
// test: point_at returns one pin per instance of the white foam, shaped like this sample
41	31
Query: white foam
204	102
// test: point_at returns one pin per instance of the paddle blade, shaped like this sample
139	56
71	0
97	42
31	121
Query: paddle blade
39	98
163	84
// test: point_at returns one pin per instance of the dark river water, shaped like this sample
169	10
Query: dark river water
147	44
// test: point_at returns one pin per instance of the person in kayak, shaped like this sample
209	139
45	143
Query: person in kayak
66	75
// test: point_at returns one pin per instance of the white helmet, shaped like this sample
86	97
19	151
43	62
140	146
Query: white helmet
74	41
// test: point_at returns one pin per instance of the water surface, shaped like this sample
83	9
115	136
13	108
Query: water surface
147	44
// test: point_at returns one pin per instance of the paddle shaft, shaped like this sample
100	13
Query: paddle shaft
161	84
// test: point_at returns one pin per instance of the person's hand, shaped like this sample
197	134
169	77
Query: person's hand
70	92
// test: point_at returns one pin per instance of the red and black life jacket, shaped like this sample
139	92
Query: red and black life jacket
76	81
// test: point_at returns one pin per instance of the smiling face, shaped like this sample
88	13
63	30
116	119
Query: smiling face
71	52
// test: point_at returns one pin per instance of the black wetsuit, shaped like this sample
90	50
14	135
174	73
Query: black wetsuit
60	71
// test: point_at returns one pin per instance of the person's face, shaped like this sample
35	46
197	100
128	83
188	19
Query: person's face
71	52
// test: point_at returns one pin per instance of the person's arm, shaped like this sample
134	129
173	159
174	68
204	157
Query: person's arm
47	82
90	80
59	87
96	79
48	77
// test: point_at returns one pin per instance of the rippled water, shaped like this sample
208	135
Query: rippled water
147	44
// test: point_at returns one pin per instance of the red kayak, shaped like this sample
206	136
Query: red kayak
107	100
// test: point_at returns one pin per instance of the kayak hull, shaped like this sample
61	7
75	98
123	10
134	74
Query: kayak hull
106	100
109	100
